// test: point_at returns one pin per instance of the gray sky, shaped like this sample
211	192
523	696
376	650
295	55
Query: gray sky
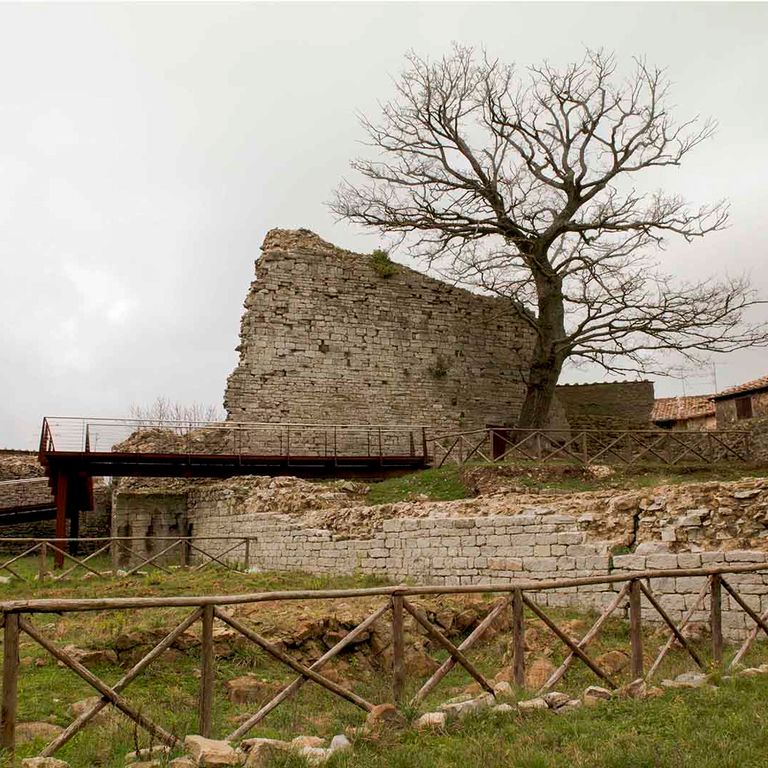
146	149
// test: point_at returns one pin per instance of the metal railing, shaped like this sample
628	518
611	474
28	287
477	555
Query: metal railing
593	446
86	435
634	592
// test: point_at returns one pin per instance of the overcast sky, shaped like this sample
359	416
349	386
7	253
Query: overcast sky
146	149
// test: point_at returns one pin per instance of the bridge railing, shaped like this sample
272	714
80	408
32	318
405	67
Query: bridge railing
79	434
593	446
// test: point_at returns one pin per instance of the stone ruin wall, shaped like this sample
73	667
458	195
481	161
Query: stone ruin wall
22	483
607	405
491	539
326	338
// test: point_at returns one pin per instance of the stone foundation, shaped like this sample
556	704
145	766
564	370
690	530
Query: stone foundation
476	550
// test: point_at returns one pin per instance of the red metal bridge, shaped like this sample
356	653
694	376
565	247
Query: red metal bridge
74	450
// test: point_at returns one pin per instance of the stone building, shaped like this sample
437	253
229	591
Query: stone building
695	412
743	403
745	408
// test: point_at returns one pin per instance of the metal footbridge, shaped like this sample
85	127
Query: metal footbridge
74	450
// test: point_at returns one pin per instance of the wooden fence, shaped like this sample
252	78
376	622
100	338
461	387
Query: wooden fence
634	592
187	552
593	446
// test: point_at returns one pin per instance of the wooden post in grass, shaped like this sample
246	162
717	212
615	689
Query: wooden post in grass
42	561
10	682
398	649
247	554
518	638
207	673
716	619
635	629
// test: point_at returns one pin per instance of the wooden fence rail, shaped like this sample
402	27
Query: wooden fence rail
593	446
634	593
174	551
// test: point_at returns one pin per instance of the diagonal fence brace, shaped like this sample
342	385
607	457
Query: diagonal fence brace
443	641
586	640
77	725
85	560
567	640
75	560
293	687
668	621
200	567
115	698
294	665
467	643
671	641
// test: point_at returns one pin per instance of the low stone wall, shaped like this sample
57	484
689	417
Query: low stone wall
25	492
474	550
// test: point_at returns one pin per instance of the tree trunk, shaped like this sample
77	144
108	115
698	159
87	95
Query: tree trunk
540	392
548	356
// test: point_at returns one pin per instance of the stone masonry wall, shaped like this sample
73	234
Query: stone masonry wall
610	404
471	550
726	410
326	338
757	426
24	492
148	515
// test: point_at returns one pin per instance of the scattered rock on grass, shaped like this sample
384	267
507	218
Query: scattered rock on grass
90	658
460	709
595	694
156	752
555	699
528	705
538	673
43	762
210	753
262	752
431	721
30	731
248	689
383	716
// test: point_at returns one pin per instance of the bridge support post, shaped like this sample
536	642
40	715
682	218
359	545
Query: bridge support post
62	497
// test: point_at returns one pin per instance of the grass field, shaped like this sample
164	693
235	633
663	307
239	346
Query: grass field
452	482
699	728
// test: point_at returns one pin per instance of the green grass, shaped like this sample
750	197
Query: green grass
681	729
452	482
684	729
443	484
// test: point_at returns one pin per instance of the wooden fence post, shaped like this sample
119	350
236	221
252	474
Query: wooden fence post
398	649
10	682
635	629
42	561
716	620
207	673
247	554
518	638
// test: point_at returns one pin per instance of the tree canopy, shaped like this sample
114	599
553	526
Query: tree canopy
525	183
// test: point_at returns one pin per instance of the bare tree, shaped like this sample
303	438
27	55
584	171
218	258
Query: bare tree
162	411
524	184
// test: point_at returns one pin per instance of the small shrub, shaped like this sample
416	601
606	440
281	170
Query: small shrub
382	264
440	368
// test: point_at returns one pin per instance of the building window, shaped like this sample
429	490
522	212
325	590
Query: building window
744	407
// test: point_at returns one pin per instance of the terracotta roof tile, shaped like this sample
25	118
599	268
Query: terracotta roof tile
749	386
681	408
